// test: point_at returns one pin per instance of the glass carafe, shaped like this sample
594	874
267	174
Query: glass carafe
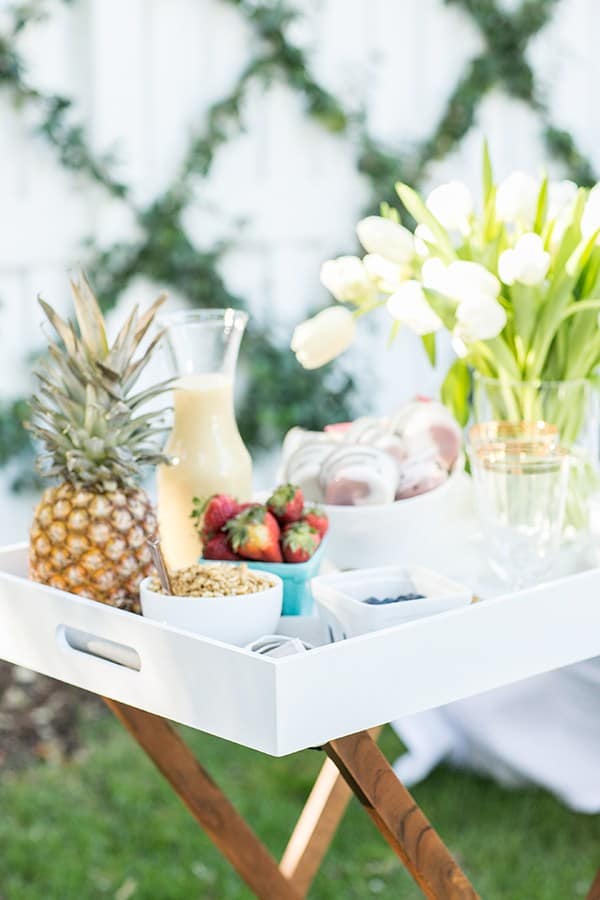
207	453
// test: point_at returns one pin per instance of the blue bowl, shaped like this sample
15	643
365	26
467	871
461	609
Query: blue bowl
297	593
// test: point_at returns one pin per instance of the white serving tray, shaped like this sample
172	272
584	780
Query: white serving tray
283	705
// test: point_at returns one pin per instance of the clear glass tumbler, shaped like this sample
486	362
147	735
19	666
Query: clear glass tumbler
521	491
493	432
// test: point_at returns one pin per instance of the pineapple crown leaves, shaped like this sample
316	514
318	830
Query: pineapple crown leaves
84	414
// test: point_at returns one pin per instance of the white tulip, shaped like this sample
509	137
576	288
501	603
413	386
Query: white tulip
479	316
409	306
470	280
347	279
423	237
452	205
590	221
461	280
323	337
526	263
561	198
458	345
434	275
479	319
516	199
387	275
386	238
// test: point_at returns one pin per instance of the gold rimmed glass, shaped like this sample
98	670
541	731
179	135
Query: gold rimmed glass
495	432
521	490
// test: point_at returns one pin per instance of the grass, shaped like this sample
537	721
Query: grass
106	825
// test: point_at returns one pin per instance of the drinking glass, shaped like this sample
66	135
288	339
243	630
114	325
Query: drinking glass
572	405
521	490
493	432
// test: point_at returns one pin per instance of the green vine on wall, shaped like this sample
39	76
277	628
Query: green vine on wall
279	393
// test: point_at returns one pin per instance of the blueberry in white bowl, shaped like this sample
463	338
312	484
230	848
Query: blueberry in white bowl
364	600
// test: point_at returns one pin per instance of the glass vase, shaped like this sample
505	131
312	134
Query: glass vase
572	406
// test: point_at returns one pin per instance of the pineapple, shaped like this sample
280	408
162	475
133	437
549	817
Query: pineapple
89	531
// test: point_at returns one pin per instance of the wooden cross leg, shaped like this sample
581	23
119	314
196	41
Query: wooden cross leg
594	892
354	765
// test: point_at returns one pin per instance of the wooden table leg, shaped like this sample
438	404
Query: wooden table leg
317	825
594	892
366	773
223	824
398	818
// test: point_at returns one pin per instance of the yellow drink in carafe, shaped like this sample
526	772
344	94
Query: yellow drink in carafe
209	457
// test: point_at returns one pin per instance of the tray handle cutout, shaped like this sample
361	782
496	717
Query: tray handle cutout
101	648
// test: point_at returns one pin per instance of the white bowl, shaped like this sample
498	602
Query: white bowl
237	619
340	598
379	535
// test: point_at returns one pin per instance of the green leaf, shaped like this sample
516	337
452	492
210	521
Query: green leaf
572	235
456	390
581	306
542	205
590	276
429	345
487	175
581	255
393	332
547	235
525	306
489	217
503	357
389	212
423	216
444	306
549	319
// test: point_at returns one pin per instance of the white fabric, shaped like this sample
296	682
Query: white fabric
543	731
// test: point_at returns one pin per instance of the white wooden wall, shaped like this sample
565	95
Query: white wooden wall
143	73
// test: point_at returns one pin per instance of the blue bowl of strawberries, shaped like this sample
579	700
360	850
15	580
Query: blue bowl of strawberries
282	536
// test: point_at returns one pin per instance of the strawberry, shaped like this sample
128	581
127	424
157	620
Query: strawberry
286	503
299	542
254	534
316	518
217	547
212	513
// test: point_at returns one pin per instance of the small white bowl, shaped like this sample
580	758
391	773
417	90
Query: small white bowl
237	619
340	598
379	535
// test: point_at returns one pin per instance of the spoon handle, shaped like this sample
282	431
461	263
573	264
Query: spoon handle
160	564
